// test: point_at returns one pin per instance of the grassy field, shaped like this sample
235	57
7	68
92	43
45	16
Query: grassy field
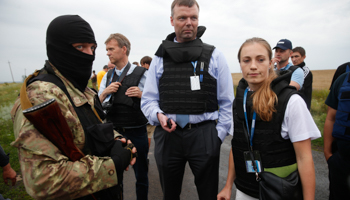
8	94
321	78
10	91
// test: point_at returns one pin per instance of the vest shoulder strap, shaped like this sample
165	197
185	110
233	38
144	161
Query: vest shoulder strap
109	74
207	51
139	71
283	99
293	68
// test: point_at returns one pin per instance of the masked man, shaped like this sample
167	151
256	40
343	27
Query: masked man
48	172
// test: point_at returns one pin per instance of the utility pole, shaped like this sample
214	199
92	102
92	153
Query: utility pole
11	72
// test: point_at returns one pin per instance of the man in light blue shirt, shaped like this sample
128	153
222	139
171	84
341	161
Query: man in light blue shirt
188	95
122	88
283	51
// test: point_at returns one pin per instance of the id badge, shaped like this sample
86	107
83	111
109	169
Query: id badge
248	161
195	85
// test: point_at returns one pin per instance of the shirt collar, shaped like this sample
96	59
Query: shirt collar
287	66
119	72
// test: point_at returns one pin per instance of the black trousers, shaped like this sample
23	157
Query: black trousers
339	176
200	147
138	137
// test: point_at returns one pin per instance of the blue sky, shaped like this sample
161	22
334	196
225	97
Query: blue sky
322	27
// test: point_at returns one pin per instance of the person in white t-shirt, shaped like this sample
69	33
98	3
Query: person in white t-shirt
283	127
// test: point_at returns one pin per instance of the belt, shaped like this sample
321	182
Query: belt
190	126
121	129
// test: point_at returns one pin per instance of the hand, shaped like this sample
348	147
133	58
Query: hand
275	60
121	156
133	151
163	122
225	194
133	92
112	88
327	155
9	173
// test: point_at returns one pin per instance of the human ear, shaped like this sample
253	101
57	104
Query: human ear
172	20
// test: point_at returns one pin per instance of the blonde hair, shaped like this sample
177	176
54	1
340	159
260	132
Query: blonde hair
122	41
264	99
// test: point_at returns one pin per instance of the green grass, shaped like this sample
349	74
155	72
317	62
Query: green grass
319	113
8	95
10	91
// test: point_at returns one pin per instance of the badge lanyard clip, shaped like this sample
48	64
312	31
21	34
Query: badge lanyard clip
194	67
201	75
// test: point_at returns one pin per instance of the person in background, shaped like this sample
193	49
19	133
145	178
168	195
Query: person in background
145	63
188	95
287	126
283	51
124	96
298	57
7	172
136	63
48	173
100	75
94	80
336	135
340	70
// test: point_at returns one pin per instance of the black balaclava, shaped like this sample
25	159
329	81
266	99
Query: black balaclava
73	64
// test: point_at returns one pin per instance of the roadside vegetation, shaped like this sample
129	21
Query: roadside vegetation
8	94
319	113
10	91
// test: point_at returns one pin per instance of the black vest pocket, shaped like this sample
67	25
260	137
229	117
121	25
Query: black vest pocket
100	138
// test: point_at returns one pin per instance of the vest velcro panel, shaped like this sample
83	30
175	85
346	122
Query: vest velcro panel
175	91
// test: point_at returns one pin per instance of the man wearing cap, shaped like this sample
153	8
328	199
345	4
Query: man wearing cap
283	50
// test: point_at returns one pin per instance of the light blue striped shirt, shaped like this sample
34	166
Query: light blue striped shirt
119	72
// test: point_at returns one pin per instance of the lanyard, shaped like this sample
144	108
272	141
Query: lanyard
112	76
246	118
194	67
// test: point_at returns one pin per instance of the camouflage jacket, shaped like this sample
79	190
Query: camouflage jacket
47	173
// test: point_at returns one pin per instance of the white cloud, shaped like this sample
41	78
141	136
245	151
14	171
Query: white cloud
322	27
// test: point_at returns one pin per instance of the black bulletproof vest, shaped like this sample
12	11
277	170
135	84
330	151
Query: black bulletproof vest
175	94
126	111
274	150
306	91
97	135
